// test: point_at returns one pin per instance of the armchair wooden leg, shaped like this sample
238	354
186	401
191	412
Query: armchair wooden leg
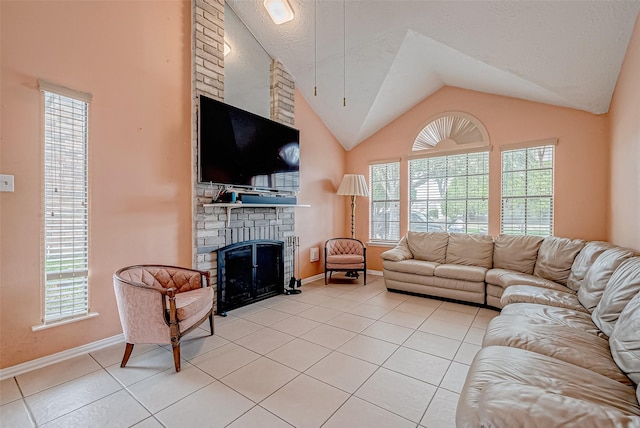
127	354
176	357
325	277
211	322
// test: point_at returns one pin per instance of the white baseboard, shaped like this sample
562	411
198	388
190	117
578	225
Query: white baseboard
60	356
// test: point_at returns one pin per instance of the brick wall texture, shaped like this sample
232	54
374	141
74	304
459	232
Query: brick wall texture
211	227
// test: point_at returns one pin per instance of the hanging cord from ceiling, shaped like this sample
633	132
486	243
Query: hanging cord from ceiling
315	51
344	53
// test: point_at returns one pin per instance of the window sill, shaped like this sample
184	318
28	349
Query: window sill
389	244
64	321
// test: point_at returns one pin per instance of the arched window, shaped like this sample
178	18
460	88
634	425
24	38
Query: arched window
449	175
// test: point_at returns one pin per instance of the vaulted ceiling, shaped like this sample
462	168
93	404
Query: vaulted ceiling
565	53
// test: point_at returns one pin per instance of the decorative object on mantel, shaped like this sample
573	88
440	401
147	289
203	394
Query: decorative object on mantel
294	242
353	185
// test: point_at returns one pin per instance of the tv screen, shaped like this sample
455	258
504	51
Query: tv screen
246	150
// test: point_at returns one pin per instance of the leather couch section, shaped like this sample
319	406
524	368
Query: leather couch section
470	250
555	258
621	288
512	387
625	340
428	246
598	276
516	252
553	316
583	262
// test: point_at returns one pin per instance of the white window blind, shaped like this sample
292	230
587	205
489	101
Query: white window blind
384	181
66	228
449	193
527	191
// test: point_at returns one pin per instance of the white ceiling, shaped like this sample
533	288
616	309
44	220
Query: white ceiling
565	53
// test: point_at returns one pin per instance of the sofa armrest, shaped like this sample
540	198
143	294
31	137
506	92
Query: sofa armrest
399	253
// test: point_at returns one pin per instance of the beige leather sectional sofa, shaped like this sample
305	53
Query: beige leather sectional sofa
565	350
478	268
562	359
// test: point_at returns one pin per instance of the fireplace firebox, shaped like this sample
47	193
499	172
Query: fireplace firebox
249	271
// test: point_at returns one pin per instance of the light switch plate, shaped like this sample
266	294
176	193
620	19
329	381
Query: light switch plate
6	183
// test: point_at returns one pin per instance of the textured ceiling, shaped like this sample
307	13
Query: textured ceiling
565	53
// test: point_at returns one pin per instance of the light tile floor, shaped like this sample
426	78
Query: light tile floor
342	355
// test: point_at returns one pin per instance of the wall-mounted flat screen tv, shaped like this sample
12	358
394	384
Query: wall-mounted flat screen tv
242	149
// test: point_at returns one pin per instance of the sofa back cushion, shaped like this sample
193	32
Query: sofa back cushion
598	275
470	250
583	262
623	285
555	257
429	246
625	340
399	253
516	252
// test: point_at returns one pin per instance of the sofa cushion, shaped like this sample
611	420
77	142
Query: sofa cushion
470	250
511	387
465	273
508	278
625	340
562	342
583	262
399	253
555	257
623	285
552	316
541	296
418	267
516	252
598	276
193	302
429	246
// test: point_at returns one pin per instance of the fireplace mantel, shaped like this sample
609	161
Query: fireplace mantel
230	206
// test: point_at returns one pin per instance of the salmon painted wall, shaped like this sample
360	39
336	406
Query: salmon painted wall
581	161
134	57
322	165
624	116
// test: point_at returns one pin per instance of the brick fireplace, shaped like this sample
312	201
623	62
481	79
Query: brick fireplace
214	227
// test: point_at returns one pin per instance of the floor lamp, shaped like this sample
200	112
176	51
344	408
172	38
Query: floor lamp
353	185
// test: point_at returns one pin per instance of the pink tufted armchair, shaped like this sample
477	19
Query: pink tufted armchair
160	304
345	255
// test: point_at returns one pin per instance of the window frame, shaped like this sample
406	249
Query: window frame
372	223
65	157
449	226
527	197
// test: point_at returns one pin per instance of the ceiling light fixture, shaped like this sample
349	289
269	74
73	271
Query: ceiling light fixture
227	49
279	10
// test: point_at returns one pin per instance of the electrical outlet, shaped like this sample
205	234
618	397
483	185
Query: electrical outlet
6	183
314	254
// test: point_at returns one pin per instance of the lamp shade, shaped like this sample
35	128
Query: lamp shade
353	185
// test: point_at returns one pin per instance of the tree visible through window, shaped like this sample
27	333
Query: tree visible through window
527	191
385	201
66	232
449	193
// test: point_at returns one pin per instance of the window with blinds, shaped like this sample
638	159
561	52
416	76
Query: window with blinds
449	193
66	228
384	181
527	191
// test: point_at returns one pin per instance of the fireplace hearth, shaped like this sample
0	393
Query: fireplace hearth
249	271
